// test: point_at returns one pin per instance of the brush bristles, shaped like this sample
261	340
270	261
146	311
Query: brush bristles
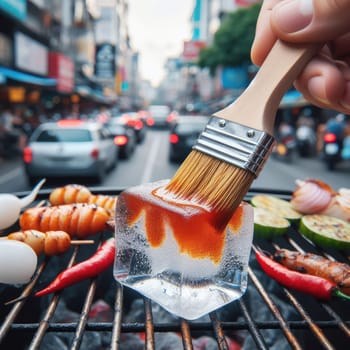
211	182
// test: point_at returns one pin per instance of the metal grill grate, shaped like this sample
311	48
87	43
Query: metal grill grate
314	324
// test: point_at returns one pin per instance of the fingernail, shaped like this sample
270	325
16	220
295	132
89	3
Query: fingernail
294	15
317	90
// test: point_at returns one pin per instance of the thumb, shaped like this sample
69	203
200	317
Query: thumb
310	20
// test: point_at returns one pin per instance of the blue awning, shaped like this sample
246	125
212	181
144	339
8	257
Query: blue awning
293	98
94	94
26	78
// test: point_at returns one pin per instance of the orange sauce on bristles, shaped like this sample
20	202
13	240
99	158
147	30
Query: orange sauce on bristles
193	226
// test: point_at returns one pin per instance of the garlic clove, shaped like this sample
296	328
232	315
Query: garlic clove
25	201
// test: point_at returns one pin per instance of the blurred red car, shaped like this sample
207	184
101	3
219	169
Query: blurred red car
124	138
133	120
184	134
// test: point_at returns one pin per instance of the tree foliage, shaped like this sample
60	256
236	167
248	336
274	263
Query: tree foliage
232	42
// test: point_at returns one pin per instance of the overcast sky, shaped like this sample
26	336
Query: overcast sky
157	31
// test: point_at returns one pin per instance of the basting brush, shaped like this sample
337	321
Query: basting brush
235	144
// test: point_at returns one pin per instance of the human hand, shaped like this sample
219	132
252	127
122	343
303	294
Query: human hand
325	81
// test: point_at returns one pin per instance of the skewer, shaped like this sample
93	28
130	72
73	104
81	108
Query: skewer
73	242
83	241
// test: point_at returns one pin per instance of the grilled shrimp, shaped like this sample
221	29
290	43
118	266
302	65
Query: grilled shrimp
316	265
79	219
49	243
74	193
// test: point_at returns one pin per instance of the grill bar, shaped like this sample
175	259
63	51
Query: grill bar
44	323
317	331
218	331
259	340
117	322
274	309
84	317
340	323
186	335
163	328
11	316
149	324
334	316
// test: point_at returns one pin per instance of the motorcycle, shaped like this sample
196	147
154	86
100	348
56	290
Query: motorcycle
285	148
306	141
332	148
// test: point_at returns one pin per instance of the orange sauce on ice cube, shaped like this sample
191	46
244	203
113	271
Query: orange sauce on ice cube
194	227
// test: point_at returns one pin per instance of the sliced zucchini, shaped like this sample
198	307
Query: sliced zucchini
267	224
326	231
280	206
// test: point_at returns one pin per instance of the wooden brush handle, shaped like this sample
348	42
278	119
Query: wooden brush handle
258	104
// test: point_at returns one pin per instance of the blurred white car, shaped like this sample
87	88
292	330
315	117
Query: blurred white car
70	148
158	115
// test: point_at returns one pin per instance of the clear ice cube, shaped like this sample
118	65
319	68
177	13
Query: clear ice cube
171	253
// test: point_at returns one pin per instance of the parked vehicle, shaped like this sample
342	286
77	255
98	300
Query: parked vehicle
124	138
184	134
332	146
333	138
70	148
285	146
306	140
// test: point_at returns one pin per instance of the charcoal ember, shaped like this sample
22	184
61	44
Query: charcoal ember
53	342
132	341
261	313
168	341
205	343
90	341
100	311
137	313
29	314
105	288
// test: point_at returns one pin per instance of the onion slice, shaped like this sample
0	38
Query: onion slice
311	196
339	206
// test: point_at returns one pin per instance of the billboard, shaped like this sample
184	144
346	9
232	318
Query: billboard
61	68
105	61
30	55
192	49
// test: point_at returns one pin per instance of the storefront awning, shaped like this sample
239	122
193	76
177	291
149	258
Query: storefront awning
26	78
93	94
292	99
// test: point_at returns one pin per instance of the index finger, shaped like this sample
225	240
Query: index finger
264	36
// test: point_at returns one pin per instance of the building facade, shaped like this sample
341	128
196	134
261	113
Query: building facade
65	55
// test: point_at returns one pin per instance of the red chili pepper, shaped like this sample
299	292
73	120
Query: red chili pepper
317	286
100	261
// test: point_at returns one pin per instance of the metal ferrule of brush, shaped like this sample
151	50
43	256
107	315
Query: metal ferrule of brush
236	144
